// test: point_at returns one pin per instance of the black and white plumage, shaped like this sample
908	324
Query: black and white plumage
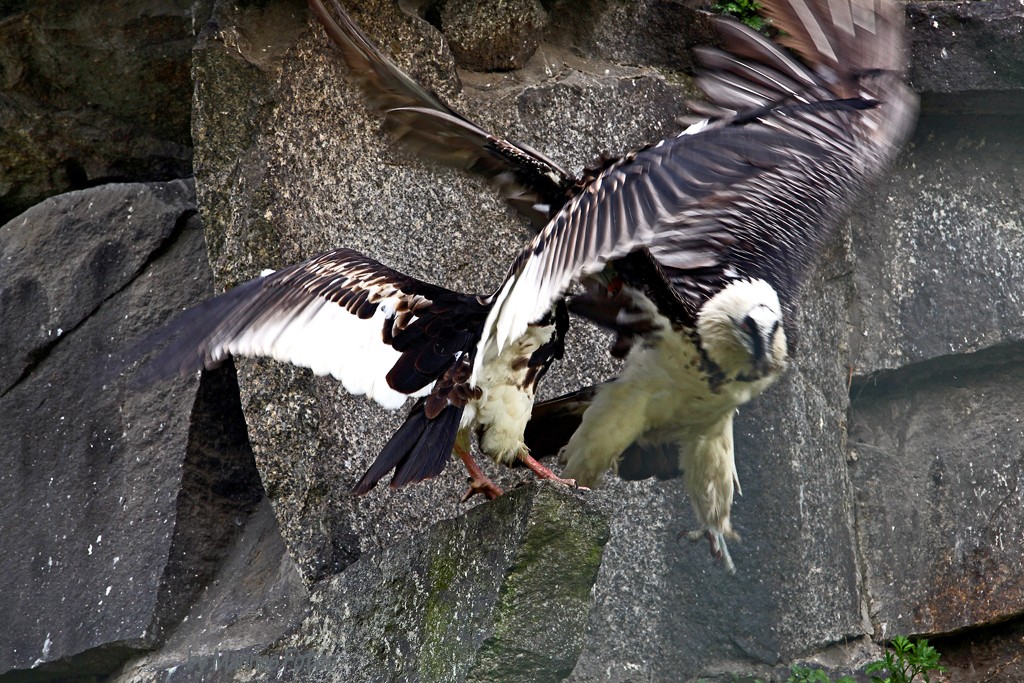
710	233
385	335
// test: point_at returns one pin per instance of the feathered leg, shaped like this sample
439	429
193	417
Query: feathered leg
615	419
709	470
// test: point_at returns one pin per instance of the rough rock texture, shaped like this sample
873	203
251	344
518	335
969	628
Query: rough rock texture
39	305
939	248
936	431
941	532
963	47
468	600
996	652
881	477
117	506
658	33
92	93
938	436
255	598
496	35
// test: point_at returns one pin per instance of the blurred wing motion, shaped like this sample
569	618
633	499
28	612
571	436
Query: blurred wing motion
532	183
754	194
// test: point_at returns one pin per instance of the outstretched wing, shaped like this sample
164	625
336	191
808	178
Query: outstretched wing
532	183
752	195
382	333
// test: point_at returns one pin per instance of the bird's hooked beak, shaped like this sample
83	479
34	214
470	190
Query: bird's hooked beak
758	331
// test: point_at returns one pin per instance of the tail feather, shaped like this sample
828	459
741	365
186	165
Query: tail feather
419	450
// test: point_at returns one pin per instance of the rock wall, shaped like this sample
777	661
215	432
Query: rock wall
92	94
204	531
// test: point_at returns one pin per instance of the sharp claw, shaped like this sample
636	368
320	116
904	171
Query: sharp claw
718	547
478	481
542	472
484	487
571	483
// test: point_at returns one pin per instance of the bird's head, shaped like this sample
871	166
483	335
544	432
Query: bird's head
741	330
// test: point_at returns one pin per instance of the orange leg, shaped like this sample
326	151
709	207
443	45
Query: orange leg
543	472
478	481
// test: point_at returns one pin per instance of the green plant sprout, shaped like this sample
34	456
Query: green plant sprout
804	674
905	661
744	11
902	662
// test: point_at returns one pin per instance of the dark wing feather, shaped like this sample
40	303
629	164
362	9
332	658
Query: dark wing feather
752	195
694	171
532	183
382	333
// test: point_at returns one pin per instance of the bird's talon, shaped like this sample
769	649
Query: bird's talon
692	536
478	481
542	472
716	541
571	483
482	486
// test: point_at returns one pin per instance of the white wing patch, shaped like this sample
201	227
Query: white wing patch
329	340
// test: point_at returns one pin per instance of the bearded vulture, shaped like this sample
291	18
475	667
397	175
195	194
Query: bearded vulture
692	249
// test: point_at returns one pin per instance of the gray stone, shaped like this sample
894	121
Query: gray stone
939	247
255	599
935	428
467	600
74	232
658	33
967	47
93	93
938	460
116	506
494	35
